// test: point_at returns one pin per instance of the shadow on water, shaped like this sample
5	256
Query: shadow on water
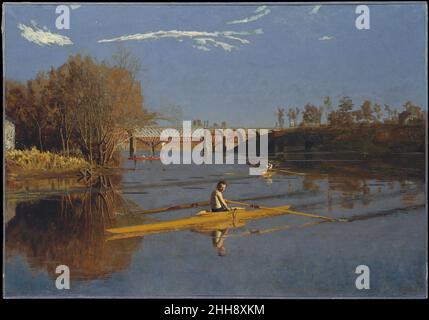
69	229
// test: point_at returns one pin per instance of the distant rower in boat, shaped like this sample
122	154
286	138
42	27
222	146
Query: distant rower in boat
217	202
269	169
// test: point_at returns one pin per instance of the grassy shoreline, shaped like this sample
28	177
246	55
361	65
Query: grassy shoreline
36	163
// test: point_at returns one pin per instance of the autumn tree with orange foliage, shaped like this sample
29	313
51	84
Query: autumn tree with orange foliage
84	105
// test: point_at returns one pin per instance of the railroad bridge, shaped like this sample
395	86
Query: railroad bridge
150	136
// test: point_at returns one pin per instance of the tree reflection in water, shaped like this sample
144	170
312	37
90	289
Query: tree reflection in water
69	229
364	181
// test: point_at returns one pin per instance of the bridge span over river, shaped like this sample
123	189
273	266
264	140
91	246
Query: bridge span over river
151	136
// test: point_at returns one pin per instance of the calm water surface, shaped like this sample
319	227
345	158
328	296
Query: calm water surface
55	221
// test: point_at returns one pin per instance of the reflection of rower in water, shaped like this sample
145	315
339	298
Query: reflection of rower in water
218	204
218	240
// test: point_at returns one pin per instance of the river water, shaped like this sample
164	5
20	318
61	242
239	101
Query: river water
51	222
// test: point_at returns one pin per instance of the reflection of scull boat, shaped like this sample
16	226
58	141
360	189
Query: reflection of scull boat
204	220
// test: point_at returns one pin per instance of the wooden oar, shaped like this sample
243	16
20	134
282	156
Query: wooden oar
176	207
287	211
278	228
198	204
291	172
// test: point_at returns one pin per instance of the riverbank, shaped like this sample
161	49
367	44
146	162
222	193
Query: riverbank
35	160
374	140
34	164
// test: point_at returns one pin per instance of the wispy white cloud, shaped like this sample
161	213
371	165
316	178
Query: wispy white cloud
260	9
206	42
43	36
325	38
259	13
315	9
202	48
203	40
75	6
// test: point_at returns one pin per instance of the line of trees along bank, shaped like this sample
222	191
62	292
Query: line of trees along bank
346	115
82	107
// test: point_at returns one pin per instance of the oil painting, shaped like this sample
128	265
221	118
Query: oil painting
215	150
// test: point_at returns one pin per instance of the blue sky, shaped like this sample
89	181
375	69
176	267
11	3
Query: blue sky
194	60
